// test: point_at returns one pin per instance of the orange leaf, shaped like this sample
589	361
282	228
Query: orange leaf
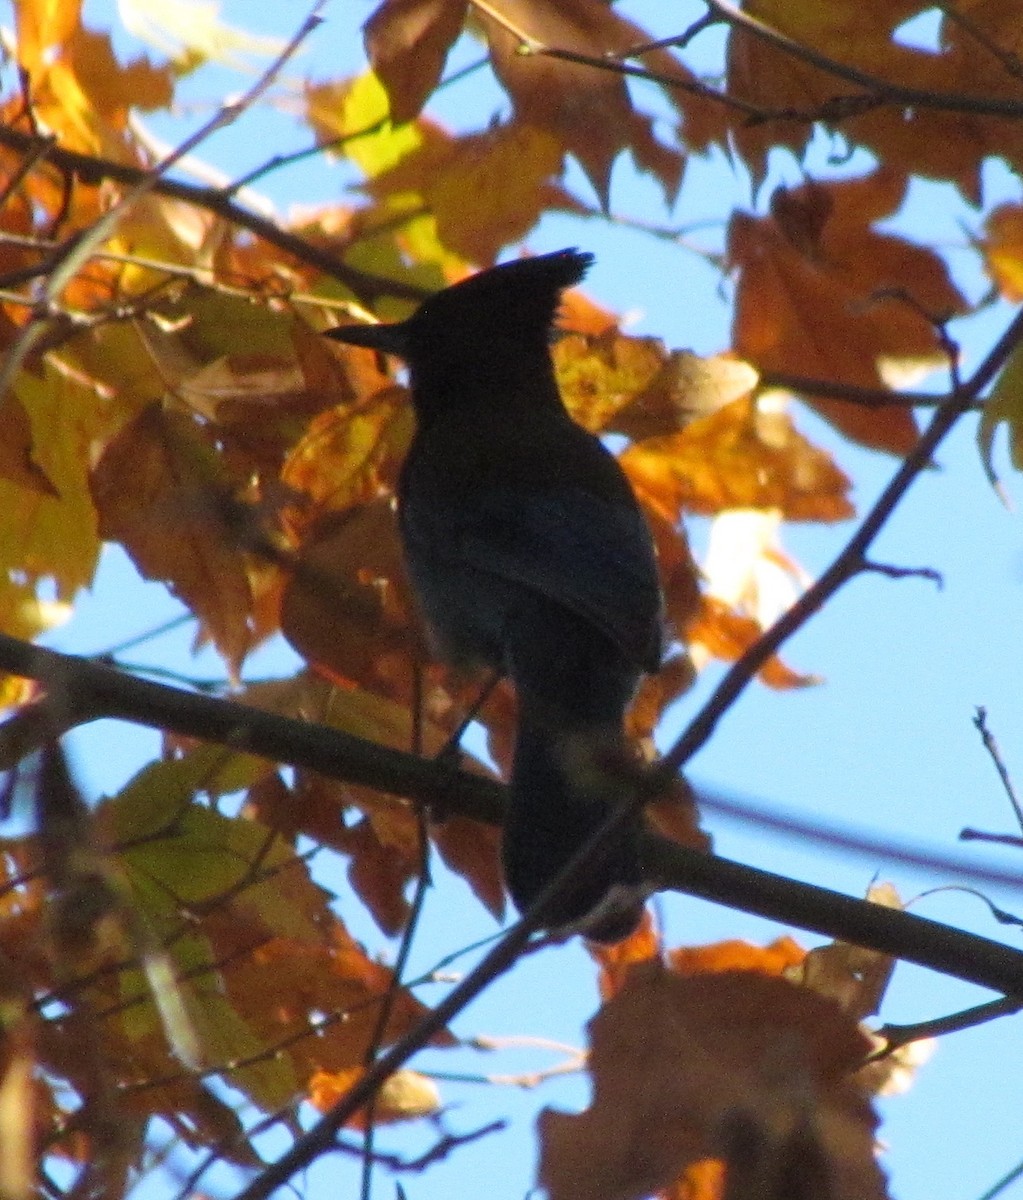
403	1096
588	111
745	455
776	960
473	850
819	295
484	189
346	607
159	491
727	635
1003	250
618	959
923	140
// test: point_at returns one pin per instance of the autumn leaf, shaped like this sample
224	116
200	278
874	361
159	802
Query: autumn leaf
822	294
746	455
689	1068
159	491
484	190
49	529
1003	250
407	42
404	1096
925	140
79	87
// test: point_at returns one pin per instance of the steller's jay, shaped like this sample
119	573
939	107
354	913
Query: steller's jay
529	555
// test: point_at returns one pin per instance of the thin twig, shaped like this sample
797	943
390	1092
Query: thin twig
1008	60
849	561
866	397
991	746
883	90
896	1036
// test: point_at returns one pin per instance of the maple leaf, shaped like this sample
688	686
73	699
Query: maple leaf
158	490
689	1068
820	292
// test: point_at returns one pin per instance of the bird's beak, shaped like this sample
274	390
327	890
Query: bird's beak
389	339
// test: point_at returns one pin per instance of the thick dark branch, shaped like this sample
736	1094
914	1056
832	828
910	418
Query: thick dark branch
903	935
88	692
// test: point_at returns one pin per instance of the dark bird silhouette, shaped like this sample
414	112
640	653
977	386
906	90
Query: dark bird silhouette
530	556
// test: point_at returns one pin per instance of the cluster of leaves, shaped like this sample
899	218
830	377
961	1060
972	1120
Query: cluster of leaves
173	395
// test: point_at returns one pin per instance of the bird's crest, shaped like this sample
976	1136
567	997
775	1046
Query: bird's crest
522	295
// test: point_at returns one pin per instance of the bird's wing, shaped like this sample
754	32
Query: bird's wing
594	557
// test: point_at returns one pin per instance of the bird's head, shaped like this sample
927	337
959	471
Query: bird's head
484	330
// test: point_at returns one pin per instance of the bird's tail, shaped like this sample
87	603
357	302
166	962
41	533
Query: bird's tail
563	789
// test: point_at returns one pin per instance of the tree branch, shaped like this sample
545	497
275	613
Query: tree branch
92	171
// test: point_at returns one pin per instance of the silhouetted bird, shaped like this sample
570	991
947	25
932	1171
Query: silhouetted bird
529	555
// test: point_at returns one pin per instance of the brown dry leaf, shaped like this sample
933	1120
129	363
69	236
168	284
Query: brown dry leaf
404	1096
685	388
485	190
589	112
747	454
815	298
676	676
853	976
1002	248
347	606
159	491
921	140
279	988
473	850
680	576
16	463
682	1067
379	871
21	1122
407	42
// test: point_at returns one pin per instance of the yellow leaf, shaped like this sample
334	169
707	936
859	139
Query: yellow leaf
357	112
53	535
1004	405
1003	250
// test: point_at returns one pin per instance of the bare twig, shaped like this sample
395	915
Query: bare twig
92	170
890	571
991	746
896	1036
